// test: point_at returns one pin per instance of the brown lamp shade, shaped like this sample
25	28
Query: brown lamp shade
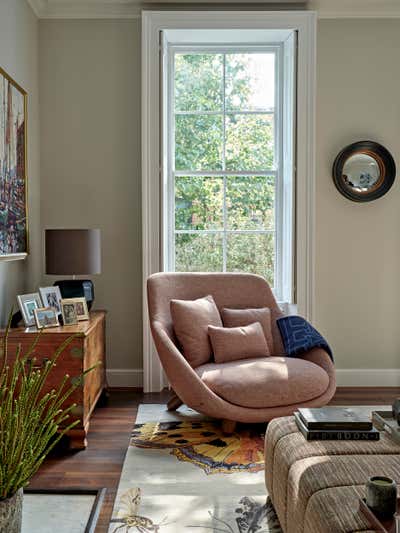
73	251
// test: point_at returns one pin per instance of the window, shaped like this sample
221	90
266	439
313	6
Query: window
224	171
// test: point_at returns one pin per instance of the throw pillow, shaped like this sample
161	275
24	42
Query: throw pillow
243	317
191	319
230	344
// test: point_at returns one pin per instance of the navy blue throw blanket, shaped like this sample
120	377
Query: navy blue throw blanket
299	336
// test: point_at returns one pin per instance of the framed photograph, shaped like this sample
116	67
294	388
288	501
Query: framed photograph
27	304
68	310
46	317
81	307
13	201
51	297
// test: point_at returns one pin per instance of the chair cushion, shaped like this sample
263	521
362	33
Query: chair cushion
230	344
191	319
233	318
265	382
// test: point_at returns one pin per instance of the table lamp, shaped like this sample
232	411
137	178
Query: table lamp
73	252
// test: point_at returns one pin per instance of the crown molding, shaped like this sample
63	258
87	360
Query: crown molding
38	6
120	9
86	9
355	9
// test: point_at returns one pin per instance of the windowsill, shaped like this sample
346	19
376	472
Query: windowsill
288	308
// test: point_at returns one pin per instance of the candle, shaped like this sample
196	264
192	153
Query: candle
381	496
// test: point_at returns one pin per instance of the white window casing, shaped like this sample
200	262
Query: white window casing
292	34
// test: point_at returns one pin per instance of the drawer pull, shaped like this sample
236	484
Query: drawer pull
77	352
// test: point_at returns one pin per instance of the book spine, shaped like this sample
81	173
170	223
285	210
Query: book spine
339	427
342	435
335	426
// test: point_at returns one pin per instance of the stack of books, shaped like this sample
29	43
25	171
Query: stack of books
335	423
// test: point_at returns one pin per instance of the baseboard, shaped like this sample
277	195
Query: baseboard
125	377
368	377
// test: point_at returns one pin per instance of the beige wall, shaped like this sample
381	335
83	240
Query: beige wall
358	245
90	91
19	58
90	131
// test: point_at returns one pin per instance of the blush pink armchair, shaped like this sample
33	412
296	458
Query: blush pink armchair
248	390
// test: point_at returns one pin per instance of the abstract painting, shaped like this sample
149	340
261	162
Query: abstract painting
13	217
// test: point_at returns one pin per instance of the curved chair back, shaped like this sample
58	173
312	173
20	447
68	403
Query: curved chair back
232	290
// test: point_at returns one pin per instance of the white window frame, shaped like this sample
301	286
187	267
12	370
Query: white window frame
153	145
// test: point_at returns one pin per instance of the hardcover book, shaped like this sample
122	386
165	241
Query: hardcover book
335	418
318	434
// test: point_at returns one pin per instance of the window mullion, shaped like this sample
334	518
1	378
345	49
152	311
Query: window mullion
279	189
221	173
170	189
224	236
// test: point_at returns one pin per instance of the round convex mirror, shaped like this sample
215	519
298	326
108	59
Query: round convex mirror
364	171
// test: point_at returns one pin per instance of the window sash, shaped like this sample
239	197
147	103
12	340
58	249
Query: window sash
171	173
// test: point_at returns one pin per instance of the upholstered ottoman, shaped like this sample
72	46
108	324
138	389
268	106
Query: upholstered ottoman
314	486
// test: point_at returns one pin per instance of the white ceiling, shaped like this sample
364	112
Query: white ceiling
76	9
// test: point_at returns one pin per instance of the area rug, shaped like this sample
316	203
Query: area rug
201	442
182	474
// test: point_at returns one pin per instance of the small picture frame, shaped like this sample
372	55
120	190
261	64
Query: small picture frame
68	310
81	307
51	297
27	304
46	317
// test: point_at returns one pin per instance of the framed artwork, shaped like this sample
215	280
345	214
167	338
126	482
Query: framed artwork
46	317
68	310
13	194
27	304
51	297
81	307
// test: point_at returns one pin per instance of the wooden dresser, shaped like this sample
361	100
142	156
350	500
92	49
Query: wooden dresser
84	351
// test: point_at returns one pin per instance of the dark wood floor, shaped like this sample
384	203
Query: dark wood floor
100	464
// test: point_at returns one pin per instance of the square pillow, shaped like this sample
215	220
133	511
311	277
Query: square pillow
233	318
230	344
191	319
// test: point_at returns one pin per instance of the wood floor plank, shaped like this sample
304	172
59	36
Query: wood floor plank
101	463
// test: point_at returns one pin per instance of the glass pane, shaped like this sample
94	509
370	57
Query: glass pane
198	203
250	202
198	252
198	82
251	253
249	142
198	142
250	82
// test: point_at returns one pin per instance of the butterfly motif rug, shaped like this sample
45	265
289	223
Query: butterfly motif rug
181	475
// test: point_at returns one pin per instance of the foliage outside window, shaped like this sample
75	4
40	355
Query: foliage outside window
224	169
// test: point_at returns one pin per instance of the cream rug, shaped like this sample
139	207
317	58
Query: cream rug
181	474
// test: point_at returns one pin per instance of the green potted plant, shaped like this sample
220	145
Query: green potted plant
30	423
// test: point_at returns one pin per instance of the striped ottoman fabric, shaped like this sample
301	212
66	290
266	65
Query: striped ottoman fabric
315	486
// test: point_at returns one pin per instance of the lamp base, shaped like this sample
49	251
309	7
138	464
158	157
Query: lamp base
77	288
